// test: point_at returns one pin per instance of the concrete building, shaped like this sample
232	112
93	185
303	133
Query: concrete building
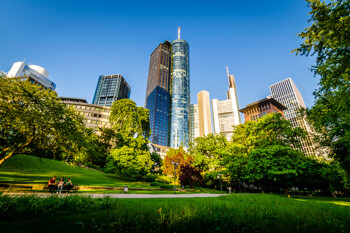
180	93
157	99
204	115
258	109
225	112
35	74
194	124
111	88
159	149
288	94
94	115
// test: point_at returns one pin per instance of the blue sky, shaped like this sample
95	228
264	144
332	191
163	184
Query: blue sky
76	41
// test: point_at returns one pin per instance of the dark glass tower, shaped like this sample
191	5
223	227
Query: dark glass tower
111	88
157	99
180	93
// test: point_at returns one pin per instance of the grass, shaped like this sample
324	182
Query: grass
40	170
233	213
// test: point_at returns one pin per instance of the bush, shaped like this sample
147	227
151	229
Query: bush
164	179
166	186
149	178
155	184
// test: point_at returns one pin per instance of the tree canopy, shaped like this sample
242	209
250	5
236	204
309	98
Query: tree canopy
33	117
328	38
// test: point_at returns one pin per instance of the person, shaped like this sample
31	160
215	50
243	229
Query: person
52	184
60	185
69	185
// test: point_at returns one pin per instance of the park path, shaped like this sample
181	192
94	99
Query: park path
95	195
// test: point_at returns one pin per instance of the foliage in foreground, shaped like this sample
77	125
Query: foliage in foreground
328	38
234	213
32	119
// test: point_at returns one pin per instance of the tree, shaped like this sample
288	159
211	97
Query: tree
189	175
128	162
269	130
33	117
329	39
273	167
208	152
130	124
128	137
177	156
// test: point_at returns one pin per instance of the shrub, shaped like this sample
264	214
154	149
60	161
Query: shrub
164	179
155	184
150	178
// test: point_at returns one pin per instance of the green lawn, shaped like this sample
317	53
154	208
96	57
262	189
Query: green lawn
24	167
233	213
39	171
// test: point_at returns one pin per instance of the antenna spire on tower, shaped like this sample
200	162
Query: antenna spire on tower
178	33
228	75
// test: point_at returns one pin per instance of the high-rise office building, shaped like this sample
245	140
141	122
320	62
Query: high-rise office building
258	109
194	125
35	74
288	94
225	112
157	99
180	93
111	88
204	116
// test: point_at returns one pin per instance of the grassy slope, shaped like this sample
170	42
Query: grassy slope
41	170
233	213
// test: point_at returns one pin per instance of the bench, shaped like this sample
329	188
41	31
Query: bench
72	190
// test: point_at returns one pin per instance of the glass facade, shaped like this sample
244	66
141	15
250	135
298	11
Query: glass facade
180	94
111	88
157	99
288	94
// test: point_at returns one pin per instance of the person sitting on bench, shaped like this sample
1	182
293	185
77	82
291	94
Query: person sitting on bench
69	185
52	184
60	185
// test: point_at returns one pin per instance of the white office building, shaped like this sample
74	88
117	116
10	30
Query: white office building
225	112
35	74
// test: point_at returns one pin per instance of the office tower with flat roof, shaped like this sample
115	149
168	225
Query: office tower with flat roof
35	74
111	88
225	112
288	94
204	115
95	116
194	123
180	93
157	99
258	109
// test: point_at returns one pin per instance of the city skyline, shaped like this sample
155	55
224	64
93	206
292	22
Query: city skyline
260	56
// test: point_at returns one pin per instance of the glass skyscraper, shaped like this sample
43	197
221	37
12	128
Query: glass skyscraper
288	94
157	99
111	88
180	94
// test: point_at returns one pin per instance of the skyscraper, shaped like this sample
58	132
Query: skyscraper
157	99
180	93
225	112
204	116
288	94
111	88
35	74
194	125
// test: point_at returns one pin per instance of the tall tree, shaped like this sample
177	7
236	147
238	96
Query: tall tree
208	152
130	123
31	116
328	38
129	154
